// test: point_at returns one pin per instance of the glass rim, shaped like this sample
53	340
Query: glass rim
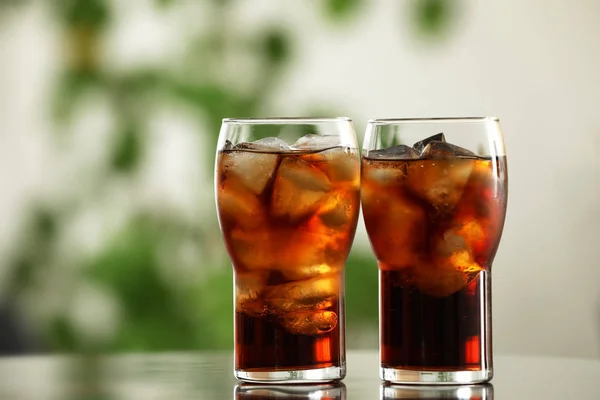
284	120
394	121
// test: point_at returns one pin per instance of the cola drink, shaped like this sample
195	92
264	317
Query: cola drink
288	217
434	214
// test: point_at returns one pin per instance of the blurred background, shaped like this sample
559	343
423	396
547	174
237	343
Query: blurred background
110	111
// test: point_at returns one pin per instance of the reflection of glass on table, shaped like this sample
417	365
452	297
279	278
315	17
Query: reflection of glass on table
464	392
335	391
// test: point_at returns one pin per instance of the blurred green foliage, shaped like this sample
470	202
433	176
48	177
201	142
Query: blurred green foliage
341	9
155	314
433	17
90	14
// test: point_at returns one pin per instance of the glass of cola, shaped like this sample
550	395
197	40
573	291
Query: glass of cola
287	192
434	199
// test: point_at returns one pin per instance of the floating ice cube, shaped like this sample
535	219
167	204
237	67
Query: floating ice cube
400	152
228	145
439	150
383	173
252	249
339	164
316	142
398	225
298	189
311	294
339	209
248	287
253	170
419	146
309	322
266	144
239	205
440	182
451	268
300	272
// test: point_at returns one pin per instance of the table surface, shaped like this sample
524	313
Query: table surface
209	376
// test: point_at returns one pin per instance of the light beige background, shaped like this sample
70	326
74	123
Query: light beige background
535	64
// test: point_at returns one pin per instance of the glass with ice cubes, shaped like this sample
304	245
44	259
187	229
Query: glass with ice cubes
434	200
287	193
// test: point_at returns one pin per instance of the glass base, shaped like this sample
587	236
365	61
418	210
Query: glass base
407	376
328	374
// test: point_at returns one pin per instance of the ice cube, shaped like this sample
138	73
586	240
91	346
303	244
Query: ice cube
238	205
302	247
482	193
253	170
248	288
309	322
477	236
451	268
382	173
442	279
400	152
339	164
339	209
228	145
311	294
252	250
439	182
300	272
298	189
336	218
440	150
419	146
316	142
273	144
397	225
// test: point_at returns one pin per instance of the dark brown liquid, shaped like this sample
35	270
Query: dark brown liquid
419	331
435	226
288	220
261	343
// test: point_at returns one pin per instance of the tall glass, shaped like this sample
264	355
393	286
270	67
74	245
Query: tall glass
287	194
434	200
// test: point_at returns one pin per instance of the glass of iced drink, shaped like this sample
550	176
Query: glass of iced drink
288	197
434	199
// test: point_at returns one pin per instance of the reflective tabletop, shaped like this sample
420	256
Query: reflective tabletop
209	376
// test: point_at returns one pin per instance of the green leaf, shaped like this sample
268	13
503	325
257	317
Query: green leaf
61	336
84	13
23	269
432	17
127	150
45	224
341	9
276	45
